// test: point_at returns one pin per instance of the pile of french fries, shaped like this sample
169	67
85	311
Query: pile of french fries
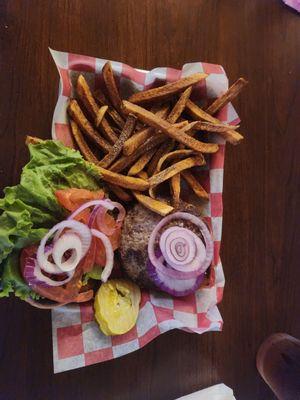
153	137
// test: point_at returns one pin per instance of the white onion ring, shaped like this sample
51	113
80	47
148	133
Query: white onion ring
195	268
67	241
80	229
109	254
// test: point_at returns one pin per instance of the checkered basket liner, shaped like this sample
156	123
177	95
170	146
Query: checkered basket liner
77	340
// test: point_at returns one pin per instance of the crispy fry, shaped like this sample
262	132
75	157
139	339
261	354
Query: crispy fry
165	148
81	143
142	175
179	106
139	165
228	96
197	113
100	114
151	119
111	86
158	207
144	134
194	184
166	91
208	127
126	182
86	96
90	104
126	161
117	148
107	131
114	115
120	193
182	153
175	189
85	126
174	169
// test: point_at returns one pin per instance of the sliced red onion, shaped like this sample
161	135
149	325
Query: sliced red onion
104	203
34	277
67	242
175	287
98	214
179	262
80	229
109	254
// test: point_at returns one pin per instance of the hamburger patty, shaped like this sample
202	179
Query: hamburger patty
137	228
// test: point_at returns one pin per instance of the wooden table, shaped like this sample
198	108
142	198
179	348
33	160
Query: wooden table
257	39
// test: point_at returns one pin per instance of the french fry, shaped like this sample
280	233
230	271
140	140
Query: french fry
90	104
175	189
227	97
158	207
139	165
81	143
158	123
208	127
144	134
100	114
165	148
182	153
111	86
194	184
117	148
142	175
198	114
174	169
179	106
114	115
126	161
120	193
126	182
32	140
85	126
166	91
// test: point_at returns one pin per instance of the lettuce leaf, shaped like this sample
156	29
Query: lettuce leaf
30	208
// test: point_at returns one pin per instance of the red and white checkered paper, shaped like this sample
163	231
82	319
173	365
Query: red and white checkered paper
77	340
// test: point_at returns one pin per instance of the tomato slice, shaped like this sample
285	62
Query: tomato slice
73	198
68	293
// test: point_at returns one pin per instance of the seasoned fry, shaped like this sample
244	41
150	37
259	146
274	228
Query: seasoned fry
194	184
208	127
81	143
111	86
120	193
100	114
85	126
175	189
182	153
126	161
164	149
107	131
126	182
179	106
143	175
197	113
32	140
158	123
227	97
117	148
114	115
86	96
174	169
154	205
139	165
166	91
144	134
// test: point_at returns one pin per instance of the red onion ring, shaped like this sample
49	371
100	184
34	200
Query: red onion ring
109	254
181	271
104	203
98	214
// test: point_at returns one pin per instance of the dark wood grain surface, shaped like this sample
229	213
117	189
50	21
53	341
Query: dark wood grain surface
257	39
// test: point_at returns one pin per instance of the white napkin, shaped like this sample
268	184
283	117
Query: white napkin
217	392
